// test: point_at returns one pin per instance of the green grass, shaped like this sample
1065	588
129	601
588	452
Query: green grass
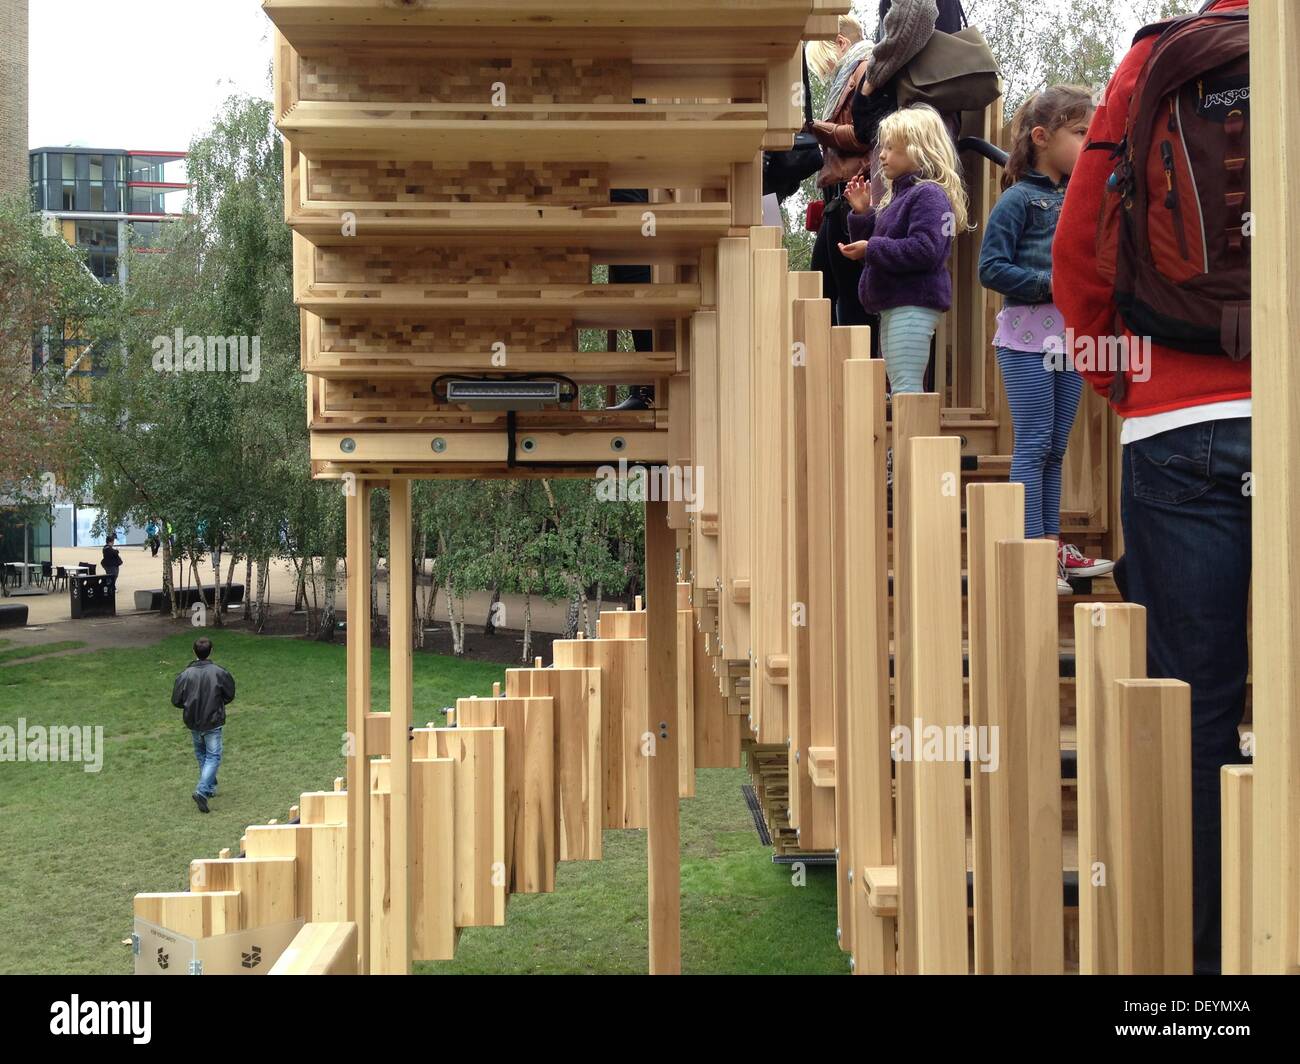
37	650
76	845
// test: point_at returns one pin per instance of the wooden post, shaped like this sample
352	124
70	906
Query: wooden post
993	512
914	415
1275	294
663	845
357	861
400	706
867	836
934	660
1238	818
854	343
1154	887
1110	644
1025	786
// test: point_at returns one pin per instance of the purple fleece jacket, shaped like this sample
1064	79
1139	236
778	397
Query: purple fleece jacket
908	243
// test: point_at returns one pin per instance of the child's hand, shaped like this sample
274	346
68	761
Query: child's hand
855	251
858	193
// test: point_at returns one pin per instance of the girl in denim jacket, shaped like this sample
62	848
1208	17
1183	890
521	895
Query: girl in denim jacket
1016	260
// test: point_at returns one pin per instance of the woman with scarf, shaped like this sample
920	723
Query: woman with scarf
852	67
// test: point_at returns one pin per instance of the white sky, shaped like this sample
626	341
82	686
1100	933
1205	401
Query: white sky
141	74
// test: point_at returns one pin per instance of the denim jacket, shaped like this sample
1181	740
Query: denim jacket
1016	257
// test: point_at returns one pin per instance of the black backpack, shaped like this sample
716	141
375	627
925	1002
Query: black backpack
785	171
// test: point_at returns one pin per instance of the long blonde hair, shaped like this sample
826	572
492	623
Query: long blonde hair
920	132
824	57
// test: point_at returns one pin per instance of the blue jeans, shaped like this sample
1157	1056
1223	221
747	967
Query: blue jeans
1186	519
207	751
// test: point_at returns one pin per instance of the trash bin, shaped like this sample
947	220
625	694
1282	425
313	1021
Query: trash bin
92	596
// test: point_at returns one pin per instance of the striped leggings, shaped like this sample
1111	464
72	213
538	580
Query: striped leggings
1043	404
905	335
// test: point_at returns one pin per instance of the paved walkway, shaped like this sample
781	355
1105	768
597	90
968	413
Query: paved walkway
141	571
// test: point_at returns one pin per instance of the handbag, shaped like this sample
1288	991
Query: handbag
953	72
812	219
785	171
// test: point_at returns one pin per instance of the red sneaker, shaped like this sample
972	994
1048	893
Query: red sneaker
1075	564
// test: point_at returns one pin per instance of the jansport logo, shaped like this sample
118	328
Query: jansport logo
119	1018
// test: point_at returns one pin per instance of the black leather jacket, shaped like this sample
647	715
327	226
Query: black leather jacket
203	691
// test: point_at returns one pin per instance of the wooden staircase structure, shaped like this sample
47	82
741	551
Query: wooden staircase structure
448	175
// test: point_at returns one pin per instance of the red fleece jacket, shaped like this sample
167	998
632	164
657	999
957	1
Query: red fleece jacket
1087	300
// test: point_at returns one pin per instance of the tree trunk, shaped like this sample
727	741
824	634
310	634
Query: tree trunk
527	655
248	589
489	626
263	591
600	598
169	589
571	618
198	584
330	567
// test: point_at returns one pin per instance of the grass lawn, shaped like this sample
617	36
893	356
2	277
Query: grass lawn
77	845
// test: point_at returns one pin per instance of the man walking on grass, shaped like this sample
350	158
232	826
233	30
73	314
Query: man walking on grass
203	691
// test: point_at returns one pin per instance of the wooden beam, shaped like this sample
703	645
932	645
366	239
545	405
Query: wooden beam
1154	821
913	416
1024	720
1238	821
1110	644
1275	305
663	840
320	949
357	861
400	696
934	659
993	512
867	840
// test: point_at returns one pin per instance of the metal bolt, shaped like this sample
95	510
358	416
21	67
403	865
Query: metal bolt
853	965
528	444
839	935
439	445
347	445
618	443
850	875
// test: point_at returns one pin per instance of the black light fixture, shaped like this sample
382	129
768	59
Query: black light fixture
512	392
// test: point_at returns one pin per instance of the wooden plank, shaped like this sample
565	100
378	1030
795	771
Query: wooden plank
846	343
320	949
933	486
201	915
717	732
993	512
770	601
320	855
1275	292
734	463
705	561
864	743
324	807
579	779
267	886
433	916
1154	821
663	841
1024	719
400	694
480	822
809	491
529	725
357	804
913	416
1238	819
685	696
1110	642
622	663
